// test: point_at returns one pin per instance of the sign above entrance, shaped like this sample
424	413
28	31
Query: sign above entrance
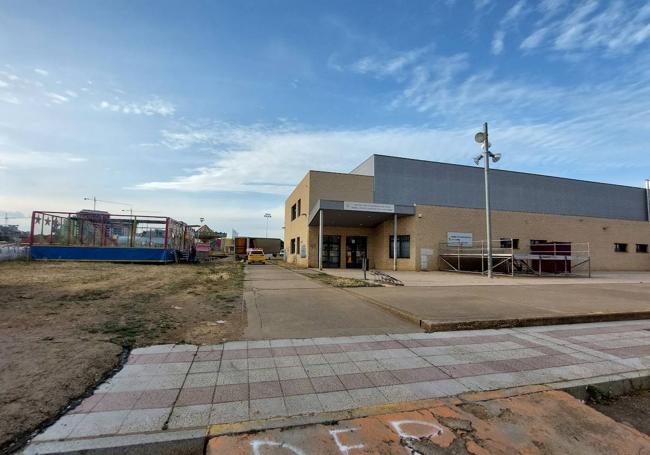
368	207
460	238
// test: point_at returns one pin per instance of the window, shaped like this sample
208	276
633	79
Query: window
297	245
403	246
293	212
298	212
510	243
293	246
641	247
620	247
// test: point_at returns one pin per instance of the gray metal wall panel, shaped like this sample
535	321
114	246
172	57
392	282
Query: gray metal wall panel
407	181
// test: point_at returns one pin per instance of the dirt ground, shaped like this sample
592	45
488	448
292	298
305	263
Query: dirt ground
632	410
64	325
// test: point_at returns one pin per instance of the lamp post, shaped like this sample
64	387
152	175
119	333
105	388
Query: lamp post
268	217
482	138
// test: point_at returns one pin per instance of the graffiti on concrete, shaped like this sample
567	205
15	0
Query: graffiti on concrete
348	440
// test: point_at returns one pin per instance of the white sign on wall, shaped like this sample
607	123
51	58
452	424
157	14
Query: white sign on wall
368	207
303	250
462	238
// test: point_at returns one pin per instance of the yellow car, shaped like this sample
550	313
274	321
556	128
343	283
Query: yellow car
256	256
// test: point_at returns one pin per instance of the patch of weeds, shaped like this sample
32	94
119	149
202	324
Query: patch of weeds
340	282
598	396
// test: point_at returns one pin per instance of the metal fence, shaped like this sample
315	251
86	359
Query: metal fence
13	251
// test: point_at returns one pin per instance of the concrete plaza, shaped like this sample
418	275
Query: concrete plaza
172	395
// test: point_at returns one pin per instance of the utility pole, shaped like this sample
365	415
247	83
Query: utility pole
268	217
482	138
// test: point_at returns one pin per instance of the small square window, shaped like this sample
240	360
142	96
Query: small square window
510	243
641	247
620	247
403	246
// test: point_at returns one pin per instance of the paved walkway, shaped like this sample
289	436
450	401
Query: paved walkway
281	303
183	388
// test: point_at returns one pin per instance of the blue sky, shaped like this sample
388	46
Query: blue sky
217	109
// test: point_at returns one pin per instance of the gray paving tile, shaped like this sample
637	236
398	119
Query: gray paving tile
366	366
368	397
211	366
100	423
435	389
267	407
397	393
312	359
234	365
336	401
189	416
233	411
200	380
337	357
287	361
259	363
263	375
303	404
145	420
292	373
314	371
62	428
345	368
232	377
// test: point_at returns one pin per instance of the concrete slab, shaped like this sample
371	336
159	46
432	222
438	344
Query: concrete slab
289	305
469	306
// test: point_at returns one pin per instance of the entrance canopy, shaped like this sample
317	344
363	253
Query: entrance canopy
356	214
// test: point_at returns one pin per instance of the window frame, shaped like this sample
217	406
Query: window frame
293	212
292	246
401	240
642	248
620	247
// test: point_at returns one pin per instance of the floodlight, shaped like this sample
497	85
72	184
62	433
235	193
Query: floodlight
479	137
477	159
496	157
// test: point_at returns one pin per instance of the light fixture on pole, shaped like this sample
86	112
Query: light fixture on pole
482	138
268	217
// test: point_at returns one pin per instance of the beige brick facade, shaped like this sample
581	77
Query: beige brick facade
430	225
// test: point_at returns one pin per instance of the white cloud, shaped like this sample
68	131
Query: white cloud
497	42
71	93
56	98
154	106
3	84
30	159
41	72
9	98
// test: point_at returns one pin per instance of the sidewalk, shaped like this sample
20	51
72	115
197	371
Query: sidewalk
172	394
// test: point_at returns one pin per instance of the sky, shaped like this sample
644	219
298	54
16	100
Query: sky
217	109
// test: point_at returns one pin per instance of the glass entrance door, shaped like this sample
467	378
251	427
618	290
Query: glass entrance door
356	248
332	251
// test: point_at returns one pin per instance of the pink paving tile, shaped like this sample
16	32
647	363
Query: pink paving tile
259	353
355	381
296	387
306	350
345	347
467	369
234	354
550	361
149	358
206	356
267	389
419	375
329	348
118	401
432	343
152	399
546	350
283	352
507	366
390	345
410	344
230	392
327	384
176	357
631	351
88	403
381	378
195	396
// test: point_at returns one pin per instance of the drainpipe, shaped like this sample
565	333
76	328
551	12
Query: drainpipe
395	242
647	196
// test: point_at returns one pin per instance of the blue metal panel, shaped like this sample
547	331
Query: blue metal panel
408	181
82	253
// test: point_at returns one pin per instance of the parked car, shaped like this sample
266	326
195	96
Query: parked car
256	255
281	254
